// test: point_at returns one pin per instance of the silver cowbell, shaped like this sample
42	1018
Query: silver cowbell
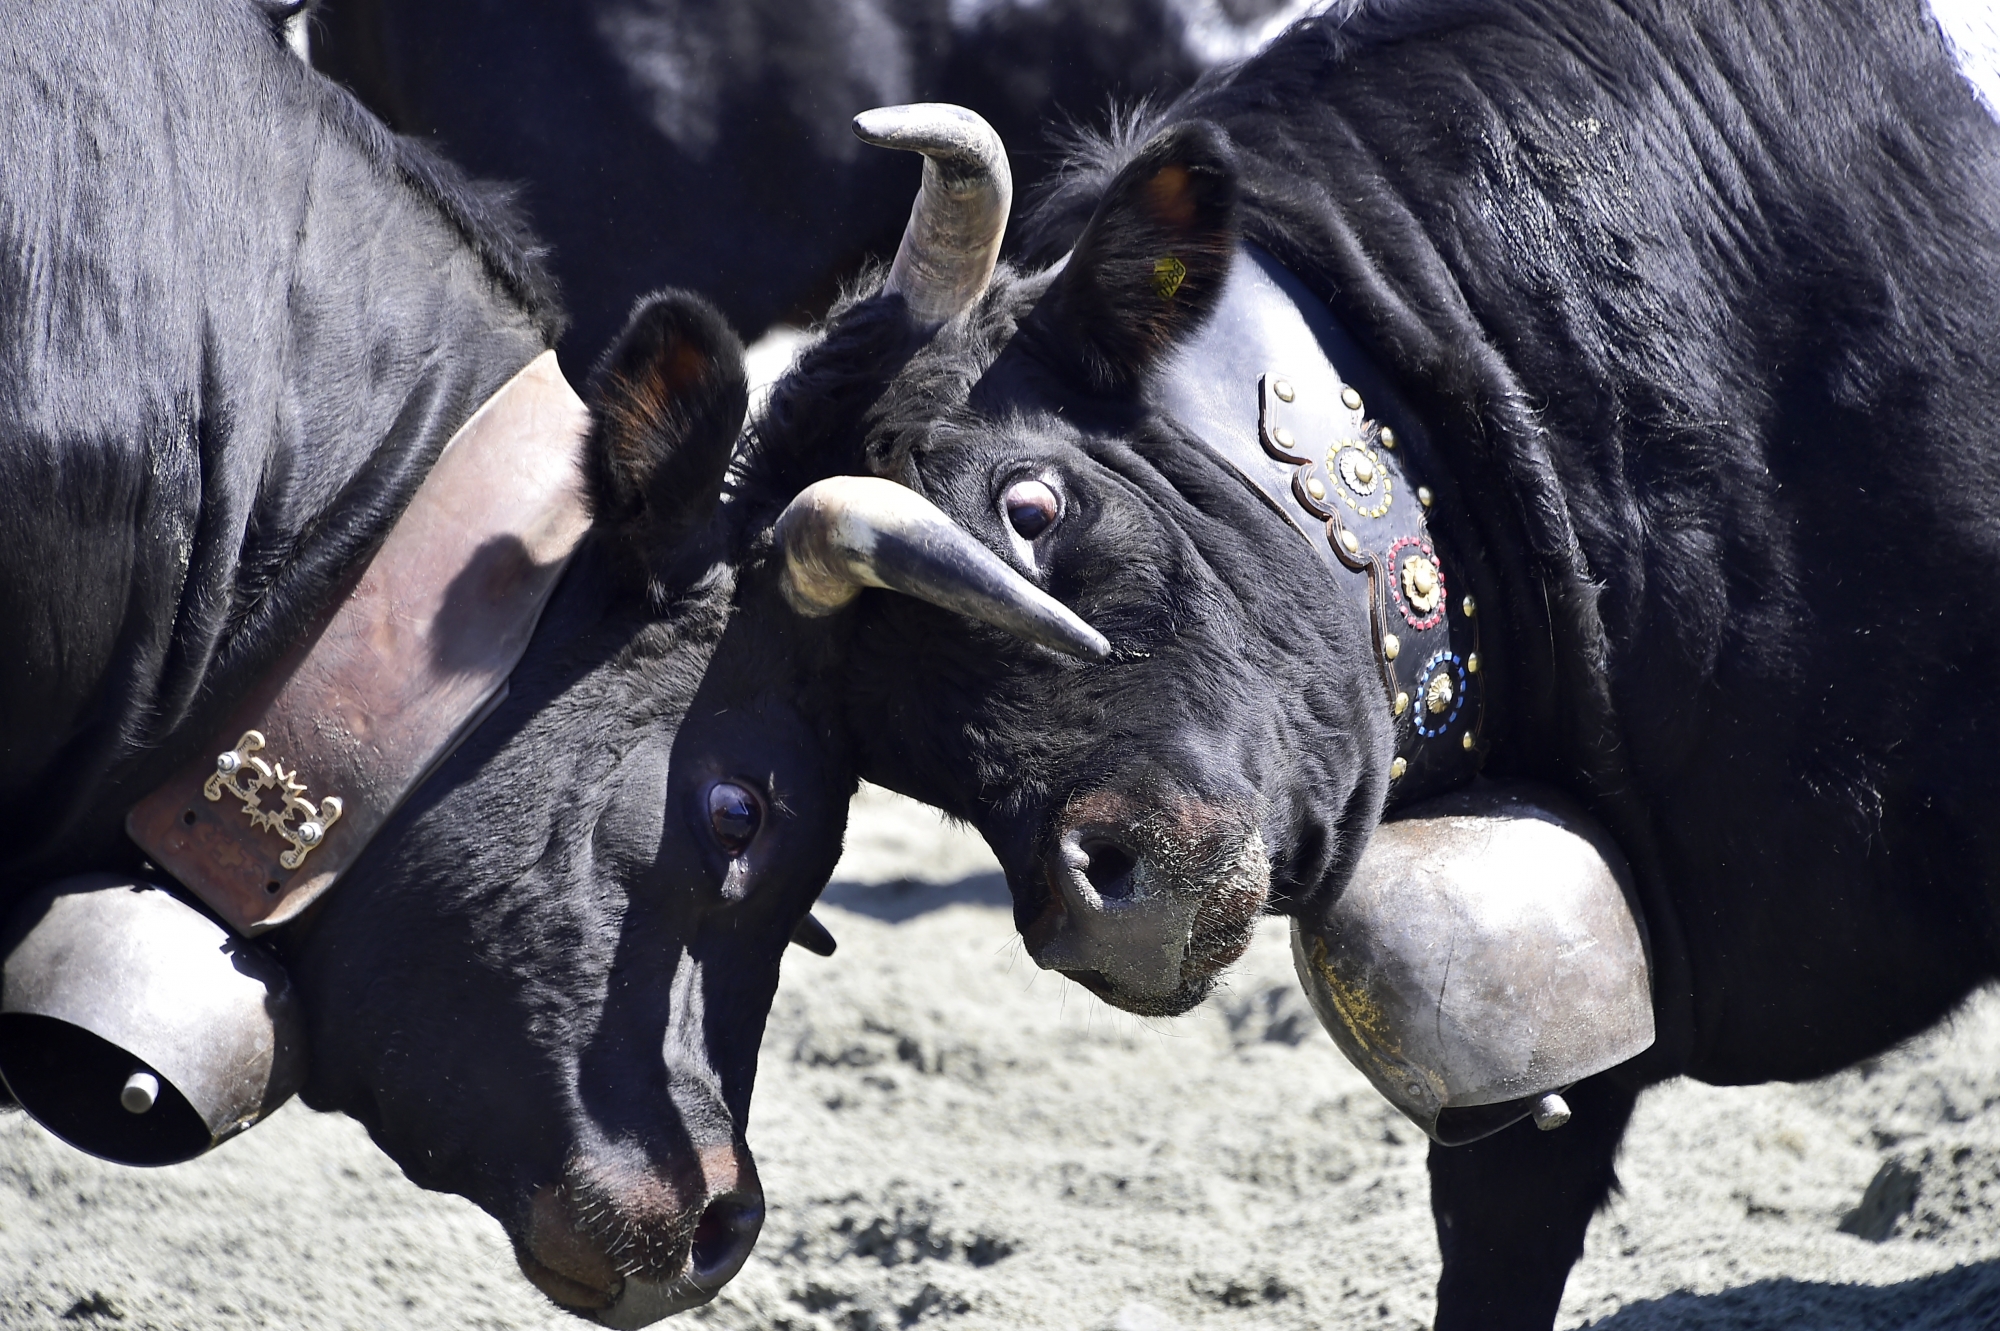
1487	954
135	1027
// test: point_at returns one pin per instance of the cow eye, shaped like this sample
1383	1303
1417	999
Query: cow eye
1031	508
734	814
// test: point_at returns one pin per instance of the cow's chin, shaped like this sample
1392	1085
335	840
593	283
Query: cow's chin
1190	993
628	1301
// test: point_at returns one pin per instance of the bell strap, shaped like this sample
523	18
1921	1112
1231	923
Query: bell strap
1258	385
328	743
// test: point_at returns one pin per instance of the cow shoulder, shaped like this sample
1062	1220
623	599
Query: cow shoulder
1151	263
667	401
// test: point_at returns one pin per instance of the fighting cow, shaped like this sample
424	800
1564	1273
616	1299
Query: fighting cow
1668	334
704	144
241	321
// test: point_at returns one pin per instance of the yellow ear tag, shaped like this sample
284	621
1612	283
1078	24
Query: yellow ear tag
1168	274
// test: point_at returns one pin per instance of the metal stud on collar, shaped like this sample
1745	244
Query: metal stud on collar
294	817
1407	580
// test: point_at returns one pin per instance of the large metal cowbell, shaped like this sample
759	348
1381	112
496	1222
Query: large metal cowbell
1488	952
135	1027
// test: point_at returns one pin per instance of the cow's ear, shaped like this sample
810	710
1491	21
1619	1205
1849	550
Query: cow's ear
1151	262
666	403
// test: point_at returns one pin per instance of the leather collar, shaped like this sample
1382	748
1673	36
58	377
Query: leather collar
1288	401
330	741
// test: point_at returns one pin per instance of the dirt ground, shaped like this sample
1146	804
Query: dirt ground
949	1138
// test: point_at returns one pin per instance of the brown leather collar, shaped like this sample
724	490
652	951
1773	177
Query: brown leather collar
331	740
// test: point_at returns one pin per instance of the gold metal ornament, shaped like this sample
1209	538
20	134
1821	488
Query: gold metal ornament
1348	542
1396	769
1315	488
1283	388
1471	607
1424	495
1421	585
1351	399
1388	437
1472	663
1437	694
296	818
1364	482
1391	645
1466	742
1402	703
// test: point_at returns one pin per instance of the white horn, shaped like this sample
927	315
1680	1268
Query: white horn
953	237
848	532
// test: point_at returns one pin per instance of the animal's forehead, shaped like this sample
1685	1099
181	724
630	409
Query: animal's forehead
1022	434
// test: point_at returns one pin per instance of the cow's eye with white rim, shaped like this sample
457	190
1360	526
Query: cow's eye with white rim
1031	507
735	814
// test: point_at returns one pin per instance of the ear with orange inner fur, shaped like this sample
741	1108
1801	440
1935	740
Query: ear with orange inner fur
1150	264
666	404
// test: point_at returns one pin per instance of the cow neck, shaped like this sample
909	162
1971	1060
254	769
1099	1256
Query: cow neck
1288	402
325	746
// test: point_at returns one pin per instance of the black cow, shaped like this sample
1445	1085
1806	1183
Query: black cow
1693	310
240	321
704	143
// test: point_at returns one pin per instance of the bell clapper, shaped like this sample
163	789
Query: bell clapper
141	1092
1551	1112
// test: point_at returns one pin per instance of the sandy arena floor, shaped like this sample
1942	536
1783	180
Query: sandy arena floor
948	1137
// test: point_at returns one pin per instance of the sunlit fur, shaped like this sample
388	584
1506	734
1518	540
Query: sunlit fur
1701	304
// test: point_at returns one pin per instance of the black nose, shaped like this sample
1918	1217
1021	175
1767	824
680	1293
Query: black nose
1108	866
723	1238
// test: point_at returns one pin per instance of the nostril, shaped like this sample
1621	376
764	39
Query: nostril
724	1236
1108	866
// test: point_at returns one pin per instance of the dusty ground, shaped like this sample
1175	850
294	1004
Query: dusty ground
949	1138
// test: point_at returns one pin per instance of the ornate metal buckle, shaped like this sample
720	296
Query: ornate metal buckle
293	803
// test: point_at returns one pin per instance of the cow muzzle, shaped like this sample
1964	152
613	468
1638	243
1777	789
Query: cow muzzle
628	1246
136	1028
1149	899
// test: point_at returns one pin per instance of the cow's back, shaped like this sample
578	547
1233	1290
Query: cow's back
237	320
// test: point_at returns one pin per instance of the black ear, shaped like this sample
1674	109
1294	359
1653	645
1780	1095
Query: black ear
666	403
1151	262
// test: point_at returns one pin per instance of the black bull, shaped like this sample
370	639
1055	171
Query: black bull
1699	307
240	321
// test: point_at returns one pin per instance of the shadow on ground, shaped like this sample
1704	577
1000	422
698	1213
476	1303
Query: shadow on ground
903	899
1965	1298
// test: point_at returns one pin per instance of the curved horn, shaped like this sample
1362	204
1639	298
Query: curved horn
953	237
848	532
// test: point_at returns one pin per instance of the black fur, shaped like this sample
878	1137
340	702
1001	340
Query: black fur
666	418
1149	267
238	321
705	143
223	380
1702	304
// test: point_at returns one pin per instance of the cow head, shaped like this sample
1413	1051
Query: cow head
1149	805
544	985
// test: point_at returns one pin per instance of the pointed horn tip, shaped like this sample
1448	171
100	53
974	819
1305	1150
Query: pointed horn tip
878	125
814	937
1087	643
842	533
931	128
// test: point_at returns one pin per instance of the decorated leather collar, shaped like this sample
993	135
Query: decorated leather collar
332	739
1354	476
